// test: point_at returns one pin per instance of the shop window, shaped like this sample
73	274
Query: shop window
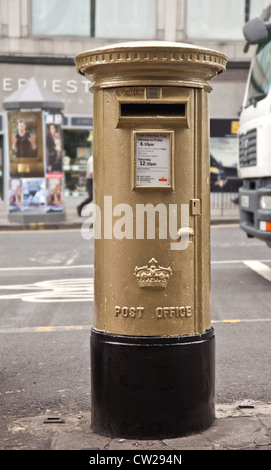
217	20
61	18
134	19
223	20
224	155
78	148
120	19
1	167
256	7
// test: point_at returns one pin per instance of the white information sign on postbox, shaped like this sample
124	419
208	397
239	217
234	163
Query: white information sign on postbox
153	159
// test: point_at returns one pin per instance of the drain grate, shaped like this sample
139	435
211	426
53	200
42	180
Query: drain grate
54	420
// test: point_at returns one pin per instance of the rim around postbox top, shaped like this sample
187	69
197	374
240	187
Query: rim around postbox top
150	61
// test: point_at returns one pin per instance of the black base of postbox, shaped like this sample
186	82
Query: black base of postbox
152	387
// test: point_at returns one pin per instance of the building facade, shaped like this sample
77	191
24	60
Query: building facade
40	39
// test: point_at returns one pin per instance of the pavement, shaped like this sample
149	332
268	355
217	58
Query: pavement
16	221
238	426
71	220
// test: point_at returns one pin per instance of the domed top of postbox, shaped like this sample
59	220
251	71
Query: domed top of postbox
135	63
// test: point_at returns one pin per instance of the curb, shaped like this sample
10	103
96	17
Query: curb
226	221
39	226
77	225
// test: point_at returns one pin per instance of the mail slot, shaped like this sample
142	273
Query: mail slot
152	109
152	343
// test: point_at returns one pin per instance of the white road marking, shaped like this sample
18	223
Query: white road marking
59	290
87	266
38	268
260	268
234	261
55	259
82	289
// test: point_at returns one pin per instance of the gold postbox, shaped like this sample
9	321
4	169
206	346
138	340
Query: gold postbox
152	216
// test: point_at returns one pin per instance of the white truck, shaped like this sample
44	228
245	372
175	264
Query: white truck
254	166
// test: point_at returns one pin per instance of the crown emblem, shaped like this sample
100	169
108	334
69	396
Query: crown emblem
152	275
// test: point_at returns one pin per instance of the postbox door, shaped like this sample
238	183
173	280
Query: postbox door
151	171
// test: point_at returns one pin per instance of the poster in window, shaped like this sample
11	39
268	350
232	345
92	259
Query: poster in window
34	196
54	143
15	195
25	144
54	193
